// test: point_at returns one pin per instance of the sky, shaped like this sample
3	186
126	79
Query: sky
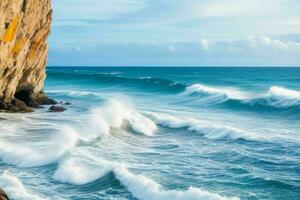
175	33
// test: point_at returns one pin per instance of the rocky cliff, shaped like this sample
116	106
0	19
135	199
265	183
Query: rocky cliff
3	195
24	28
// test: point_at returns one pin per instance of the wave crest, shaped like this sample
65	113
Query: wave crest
225	93
139	186
113	114
276	97
81	171
282	97
209	130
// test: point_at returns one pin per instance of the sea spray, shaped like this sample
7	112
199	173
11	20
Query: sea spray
113	114
15	188
80	171
44	153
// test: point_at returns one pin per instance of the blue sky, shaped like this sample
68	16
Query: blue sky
175	33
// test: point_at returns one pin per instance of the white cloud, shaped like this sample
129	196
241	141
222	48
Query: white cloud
252	51
264	41
204	44
178	25
267	43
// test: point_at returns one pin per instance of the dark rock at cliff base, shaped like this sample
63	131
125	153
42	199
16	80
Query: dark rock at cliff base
22	106
3	195
57	109
46	101
25	104
15	106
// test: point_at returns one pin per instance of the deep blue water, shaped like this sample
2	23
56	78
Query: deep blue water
158	133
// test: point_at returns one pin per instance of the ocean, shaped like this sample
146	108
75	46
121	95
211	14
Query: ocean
157	134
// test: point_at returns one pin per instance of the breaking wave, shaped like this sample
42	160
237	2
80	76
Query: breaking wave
114	114
278	97
80	171
209	130
219	93
76	172
145	188
275	98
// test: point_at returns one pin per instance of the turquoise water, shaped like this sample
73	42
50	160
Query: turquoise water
158	134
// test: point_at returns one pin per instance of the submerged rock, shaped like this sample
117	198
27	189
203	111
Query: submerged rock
3	195
24	28
57	109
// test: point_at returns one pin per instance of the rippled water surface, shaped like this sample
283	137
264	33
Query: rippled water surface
158	134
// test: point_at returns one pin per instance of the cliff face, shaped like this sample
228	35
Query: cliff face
24	28
3	195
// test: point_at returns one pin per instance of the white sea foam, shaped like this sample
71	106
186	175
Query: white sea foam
44	153
145	77
283	97
210	131
15	188
145	188
222	93
78	173
275	96
113	114
283	92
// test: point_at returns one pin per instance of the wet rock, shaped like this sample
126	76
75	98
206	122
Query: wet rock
22	106
3	195
46	101
57	109
15	106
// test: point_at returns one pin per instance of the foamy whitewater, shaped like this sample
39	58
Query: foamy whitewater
157	134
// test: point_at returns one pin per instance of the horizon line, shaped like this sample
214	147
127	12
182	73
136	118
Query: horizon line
178	66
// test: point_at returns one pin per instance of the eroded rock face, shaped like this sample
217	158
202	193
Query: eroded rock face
24	28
